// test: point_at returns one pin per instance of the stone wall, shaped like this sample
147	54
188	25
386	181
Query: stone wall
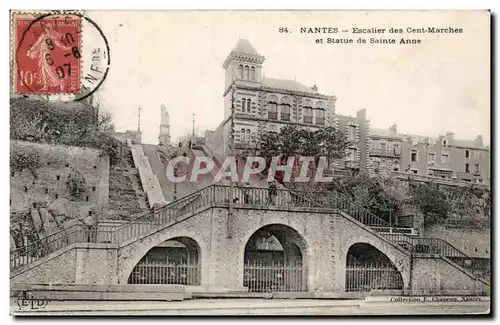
56	163
59	267
430	273
473	242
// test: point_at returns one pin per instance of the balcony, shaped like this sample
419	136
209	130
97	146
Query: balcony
384	153
468	175
272	115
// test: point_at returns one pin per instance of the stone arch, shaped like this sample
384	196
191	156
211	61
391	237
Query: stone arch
131	255
368	268
288	260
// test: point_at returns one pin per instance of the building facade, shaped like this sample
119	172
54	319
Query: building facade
266	104
263	104
443	157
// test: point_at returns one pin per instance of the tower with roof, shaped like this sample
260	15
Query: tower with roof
264	104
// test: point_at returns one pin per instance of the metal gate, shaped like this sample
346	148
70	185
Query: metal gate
273	277
373	276
165	273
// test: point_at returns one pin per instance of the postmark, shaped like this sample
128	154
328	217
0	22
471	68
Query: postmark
50	57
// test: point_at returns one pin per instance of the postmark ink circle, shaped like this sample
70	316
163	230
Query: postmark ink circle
55	41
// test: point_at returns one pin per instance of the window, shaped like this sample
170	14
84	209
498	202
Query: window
248	135
308	115
272	108
87	198
414	155
352	134
476	169
57	196
444	158
396	169
432	158
243	103
240	71
245	75
320	117
466	153
46	190
414	171
12	174
252	73
93	188
285	108
320	113
242	135
467	168
26	189
285	112
445	143
376	168
308	111
249	105
58	177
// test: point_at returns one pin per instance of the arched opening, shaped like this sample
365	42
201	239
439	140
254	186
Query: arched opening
275	260
175	261
368	269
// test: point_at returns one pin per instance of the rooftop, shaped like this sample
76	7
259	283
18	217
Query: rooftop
285	84
244	46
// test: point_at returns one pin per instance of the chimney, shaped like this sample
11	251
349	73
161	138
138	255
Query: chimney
479	141
394	128
361	114
314	88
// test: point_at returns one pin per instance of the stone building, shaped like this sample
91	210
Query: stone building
443	157
264	104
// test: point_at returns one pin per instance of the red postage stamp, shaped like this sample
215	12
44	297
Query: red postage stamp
47	58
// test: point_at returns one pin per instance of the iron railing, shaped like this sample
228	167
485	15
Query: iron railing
439	247
273	277
165	273
79	233
372	276
212	194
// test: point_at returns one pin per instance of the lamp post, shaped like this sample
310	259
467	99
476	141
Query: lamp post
176	168
231	153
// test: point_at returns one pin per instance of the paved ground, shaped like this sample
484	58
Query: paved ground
253	307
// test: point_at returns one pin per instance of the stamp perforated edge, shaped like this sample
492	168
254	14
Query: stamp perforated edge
13	47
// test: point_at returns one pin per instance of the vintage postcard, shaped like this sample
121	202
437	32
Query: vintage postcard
291	162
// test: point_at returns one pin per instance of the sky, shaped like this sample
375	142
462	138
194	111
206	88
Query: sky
176	57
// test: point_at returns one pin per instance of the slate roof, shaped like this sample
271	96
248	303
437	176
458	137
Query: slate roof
286	85
244	46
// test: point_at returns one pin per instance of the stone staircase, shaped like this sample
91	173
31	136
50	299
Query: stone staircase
185	207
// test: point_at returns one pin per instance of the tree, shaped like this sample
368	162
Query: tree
72	124
432	202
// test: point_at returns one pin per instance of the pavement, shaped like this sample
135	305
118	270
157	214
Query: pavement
214	307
